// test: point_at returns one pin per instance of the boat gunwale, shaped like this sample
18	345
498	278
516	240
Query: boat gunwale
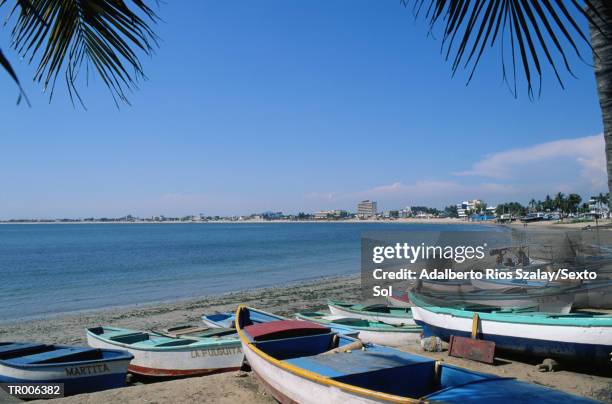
340	305
338	326
196	344
122	355
406	328
537	318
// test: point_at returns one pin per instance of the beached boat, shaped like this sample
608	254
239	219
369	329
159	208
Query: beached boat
374	312
163	355
447	286
506	284
582	337
369	331
554	300
81	369
399	300
260	316
559	299
594	295
303	362
227	319
190	331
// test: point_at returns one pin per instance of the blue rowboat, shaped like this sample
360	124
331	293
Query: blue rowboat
582	337
81	369
226	320
303	362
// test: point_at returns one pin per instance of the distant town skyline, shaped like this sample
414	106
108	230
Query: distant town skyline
294	107
368	209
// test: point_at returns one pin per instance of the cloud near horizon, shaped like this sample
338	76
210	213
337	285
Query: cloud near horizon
588	153
568	165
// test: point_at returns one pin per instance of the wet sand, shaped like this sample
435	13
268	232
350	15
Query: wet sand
243	387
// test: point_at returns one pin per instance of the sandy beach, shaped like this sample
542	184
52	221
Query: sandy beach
243	386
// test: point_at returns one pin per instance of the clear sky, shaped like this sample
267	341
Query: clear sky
294	106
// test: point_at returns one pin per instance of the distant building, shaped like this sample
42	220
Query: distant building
393	214
406	212
331	214
465	208
272	215
366	209
322	215
597	207
461	211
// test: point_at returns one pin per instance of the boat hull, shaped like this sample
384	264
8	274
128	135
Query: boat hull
489	284
294	366
178	362
340	311
447	286
217	324
399	301
393	339
288	387
569	342
594	299
259	316
78	378
551	303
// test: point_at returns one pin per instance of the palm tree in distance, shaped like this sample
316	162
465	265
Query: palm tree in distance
533	35
559	203
532	205
602	199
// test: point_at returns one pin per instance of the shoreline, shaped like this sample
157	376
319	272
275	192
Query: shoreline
172	302
262	221
227	387
146	315
451	221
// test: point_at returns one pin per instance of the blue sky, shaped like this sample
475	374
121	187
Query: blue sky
294	106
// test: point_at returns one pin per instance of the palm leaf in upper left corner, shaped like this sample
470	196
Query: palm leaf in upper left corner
105	35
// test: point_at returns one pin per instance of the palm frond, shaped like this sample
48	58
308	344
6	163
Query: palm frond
538	32
64	35
6	65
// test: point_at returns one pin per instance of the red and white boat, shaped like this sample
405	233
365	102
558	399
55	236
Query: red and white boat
165	356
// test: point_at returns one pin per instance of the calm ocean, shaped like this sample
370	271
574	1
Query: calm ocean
59	268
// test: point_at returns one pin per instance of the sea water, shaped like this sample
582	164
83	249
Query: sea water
60	268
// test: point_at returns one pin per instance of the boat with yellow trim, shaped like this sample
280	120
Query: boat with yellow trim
304	362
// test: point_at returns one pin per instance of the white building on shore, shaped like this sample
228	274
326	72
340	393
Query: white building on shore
366	209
